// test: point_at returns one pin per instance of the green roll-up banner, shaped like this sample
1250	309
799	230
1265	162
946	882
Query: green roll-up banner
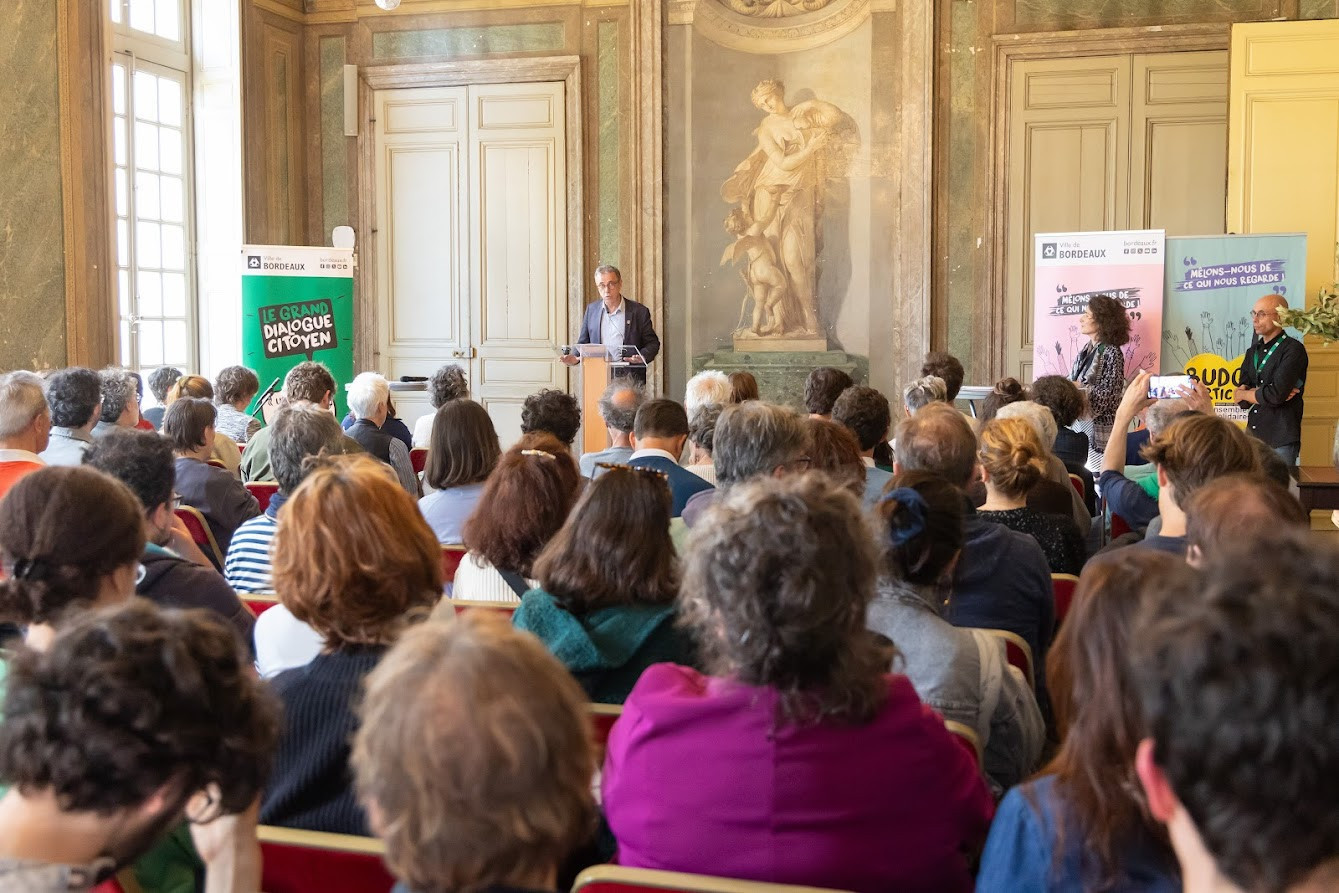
297	305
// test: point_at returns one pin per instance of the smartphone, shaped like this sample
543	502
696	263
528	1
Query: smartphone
1168	387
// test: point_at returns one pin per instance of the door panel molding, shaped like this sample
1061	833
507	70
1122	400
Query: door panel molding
566	69
993	324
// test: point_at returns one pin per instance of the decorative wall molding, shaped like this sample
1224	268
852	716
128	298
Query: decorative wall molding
774	26
648	182
1012	48
453	74
85	138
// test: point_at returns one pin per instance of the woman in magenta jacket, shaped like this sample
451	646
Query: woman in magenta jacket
800	759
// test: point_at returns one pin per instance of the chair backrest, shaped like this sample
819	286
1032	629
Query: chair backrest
263	491
603	717
1017	652
418	457
1119	526
464	604
314	862
968	736
260	602
217	464
451	558
619	879
1063	587
200	533
1077	483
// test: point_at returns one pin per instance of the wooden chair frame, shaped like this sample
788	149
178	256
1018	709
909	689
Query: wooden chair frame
651	879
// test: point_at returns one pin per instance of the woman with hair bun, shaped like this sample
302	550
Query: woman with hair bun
961	673
70	539
1013	461
1006	391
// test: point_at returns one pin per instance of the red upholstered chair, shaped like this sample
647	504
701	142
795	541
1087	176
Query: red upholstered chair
263	491
260	602
463	604
1077	483
603	717
1017	652
967	736
618	879
451	558
200	533
217	464
419	459
1119	526
1063	586
315	862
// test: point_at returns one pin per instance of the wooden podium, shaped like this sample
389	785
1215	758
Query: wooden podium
596	373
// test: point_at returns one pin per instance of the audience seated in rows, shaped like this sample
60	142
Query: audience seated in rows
1227	512
525	502
1001	580
299	432
834	451
607	586
120	406
701	437
447	383
867	413
822	387
1005	391
708	386
553	412
1192	450
25	427
1238	678
355	562
473	758
1066	403
179	729
309	382
464	452
225	450
234	389
618	408
1012	464
753	440
658	436
948	368
876	794
161	381
926	389
1082	824
369	401
75	398
174	573
1053	492
188	426
960	673
743	386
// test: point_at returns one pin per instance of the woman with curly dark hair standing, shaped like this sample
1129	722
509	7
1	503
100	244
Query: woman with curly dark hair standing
1100	370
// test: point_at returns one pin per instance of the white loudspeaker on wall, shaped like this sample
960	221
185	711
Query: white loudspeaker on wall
342	237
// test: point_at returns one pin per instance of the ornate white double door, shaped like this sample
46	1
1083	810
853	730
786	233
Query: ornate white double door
471	241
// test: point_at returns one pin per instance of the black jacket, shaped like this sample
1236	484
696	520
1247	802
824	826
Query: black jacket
173	582
1273	417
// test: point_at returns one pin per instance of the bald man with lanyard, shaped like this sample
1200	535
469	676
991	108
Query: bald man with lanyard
1273	376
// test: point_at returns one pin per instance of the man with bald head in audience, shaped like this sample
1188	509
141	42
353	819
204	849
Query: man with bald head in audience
1273	377
618	407
1001	580
25	427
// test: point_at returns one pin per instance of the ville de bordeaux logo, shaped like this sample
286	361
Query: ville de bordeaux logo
1048	251
253	261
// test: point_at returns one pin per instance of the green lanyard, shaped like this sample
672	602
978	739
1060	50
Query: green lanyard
1260	361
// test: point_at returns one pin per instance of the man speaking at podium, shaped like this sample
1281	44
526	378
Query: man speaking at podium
618	323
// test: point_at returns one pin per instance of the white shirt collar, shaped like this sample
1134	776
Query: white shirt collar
648	453
20	456
617	310
868	460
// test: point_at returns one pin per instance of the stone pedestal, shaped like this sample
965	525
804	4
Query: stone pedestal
781	374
